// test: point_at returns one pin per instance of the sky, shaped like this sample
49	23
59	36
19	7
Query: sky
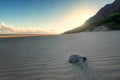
46	16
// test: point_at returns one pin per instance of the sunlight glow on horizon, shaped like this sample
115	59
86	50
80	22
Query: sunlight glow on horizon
46	16
74	18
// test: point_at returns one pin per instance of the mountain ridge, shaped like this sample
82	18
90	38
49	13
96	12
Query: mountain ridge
105	16
108	8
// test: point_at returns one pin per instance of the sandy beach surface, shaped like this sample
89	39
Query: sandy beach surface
46	57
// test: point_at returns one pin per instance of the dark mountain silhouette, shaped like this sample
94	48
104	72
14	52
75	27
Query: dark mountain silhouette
109	16
107	9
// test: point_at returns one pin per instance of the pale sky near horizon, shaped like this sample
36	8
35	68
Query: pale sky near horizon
48	15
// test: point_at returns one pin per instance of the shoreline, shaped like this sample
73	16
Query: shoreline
2	36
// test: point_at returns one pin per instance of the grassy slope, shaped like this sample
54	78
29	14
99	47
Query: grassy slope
112	21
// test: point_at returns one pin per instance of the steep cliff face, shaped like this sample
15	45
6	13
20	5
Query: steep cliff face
108	16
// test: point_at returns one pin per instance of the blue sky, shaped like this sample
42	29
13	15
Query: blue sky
48	15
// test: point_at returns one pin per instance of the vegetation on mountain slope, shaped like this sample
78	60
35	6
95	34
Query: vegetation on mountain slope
111	21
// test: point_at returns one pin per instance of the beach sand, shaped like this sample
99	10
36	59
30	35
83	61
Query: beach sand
46	57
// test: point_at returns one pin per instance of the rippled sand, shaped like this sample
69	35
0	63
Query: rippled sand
46	58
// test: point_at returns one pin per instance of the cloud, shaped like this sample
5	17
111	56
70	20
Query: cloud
5	29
